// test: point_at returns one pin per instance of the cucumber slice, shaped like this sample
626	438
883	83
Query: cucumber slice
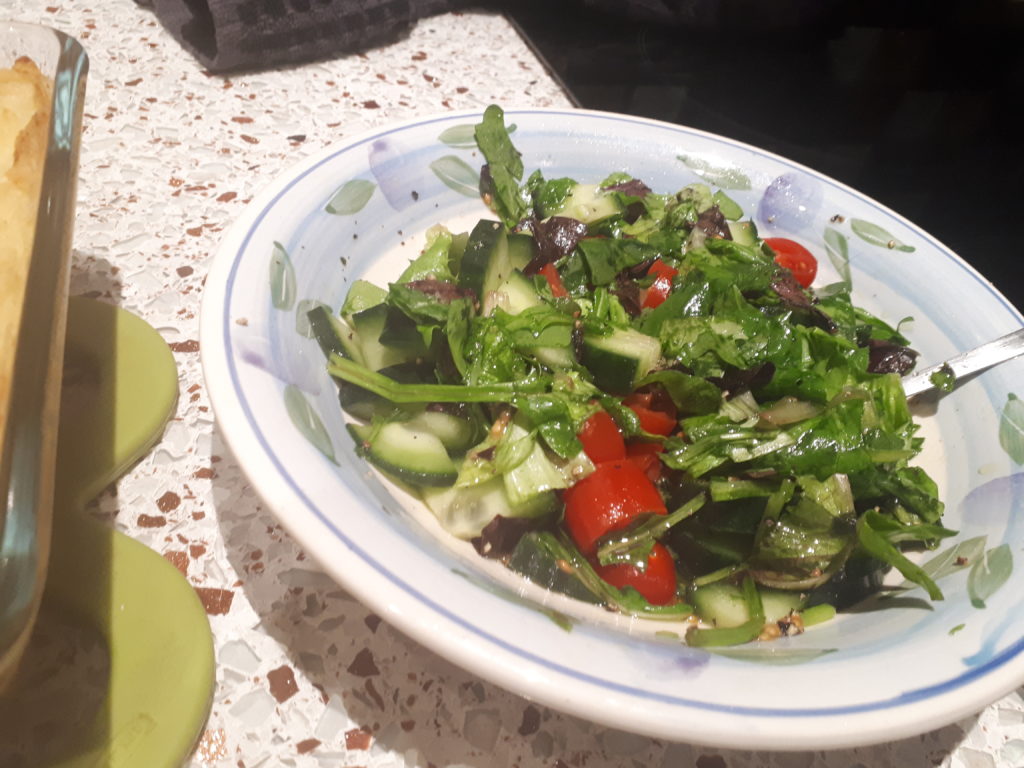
722	605
521	249
368	325
457	433
334	335
411	455
517	293
538	557
619	360
588	203
557	358
485	263
362	295
743	232
465	512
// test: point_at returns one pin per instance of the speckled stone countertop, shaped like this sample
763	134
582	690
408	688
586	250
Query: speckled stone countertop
307	676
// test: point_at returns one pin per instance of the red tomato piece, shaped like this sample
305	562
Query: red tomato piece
554	280
607	499
601	438
794	257
662	285
655	421
656	582
660	269
645	455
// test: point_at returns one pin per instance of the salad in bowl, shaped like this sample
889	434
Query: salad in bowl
609	411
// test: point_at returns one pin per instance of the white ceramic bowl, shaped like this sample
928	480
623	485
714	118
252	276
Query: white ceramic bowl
358	210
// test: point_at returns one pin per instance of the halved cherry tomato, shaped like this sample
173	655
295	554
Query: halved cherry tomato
662	285
652	420
607	499
656	582
554	280
601	438
645	455
795	258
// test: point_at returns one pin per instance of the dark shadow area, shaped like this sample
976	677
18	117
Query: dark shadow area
912	103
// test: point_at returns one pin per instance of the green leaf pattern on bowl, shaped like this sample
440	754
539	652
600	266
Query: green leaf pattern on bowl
282	278
351	197
307	421
1011	428
988	574
876	235
726	178
457	174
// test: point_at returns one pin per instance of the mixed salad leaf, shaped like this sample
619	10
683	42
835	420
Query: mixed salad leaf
630	397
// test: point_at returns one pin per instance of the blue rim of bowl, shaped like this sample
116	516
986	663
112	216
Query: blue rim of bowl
907	697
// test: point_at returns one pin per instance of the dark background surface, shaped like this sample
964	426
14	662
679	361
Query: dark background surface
916	104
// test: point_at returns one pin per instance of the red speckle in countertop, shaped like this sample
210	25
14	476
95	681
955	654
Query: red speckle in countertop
371	104
241	119
249	139
226	197
217	602
168	501
178	559
372	621
419	56
190	345
303	747
358	738
150	521
134	82
204	473
282	683
196	550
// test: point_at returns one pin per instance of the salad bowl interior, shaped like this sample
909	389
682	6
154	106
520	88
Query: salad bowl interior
892	667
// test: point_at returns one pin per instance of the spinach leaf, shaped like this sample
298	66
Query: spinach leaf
504	166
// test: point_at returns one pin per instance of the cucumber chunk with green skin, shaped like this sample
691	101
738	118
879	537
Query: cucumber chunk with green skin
620	359
334	335
723	605
411	455
362	295
537	557
743	232
485	262
588	203
464	512
368	325
521	249
457	433
517	293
